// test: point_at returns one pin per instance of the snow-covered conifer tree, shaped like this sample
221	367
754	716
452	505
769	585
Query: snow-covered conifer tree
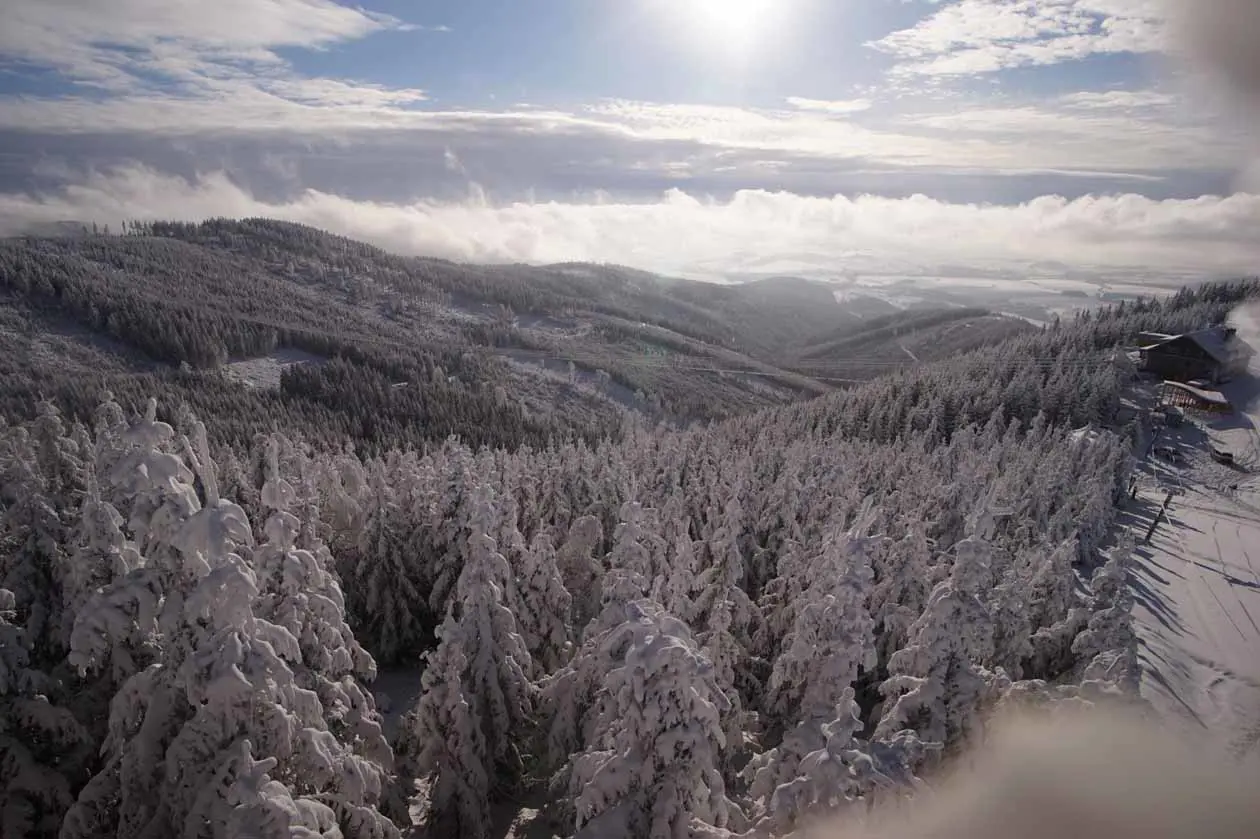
452	516
546	606
477	681
497	677
722	582
101	555
730	666
570	696
385	581
1007	603
441	741
831	643
651	767
42	478
633	543
265	808
675	588
840	770
43	748
1109	634
779	598
903	590
222	673
832	635
936	686
1053	586
299	592
580	570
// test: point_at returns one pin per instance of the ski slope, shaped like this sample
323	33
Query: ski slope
1197	583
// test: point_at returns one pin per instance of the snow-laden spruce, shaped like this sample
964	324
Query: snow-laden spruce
651	766
42	746
907	570
581	570
487	667
636	547
545	606
498	658
937	685
442	745
1108	644
569	697
385	577
222	675
832	642
837	771
675	588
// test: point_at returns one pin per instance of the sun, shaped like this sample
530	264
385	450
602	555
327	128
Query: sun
727	25
738	20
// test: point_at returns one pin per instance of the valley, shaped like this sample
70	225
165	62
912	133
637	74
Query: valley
295	531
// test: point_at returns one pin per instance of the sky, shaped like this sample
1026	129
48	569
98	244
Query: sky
715	139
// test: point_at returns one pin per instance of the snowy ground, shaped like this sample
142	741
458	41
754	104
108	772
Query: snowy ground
265	372
396	692
1197	583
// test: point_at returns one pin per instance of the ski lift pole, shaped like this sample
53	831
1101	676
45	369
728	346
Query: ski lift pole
1158	516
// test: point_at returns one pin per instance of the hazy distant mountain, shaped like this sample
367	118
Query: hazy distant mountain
881	345
261	319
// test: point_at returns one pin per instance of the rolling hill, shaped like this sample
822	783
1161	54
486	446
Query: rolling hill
258	319
879	345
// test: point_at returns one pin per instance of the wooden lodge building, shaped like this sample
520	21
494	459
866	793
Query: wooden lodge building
1212	355
1194	398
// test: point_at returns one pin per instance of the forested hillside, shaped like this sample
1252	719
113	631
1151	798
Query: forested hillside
260	324
418	349
881	345
729	629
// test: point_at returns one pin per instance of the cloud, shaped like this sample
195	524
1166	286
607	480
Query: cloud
190	76
171	96
184	57
1108	100
753	231
843	106
108	43
985	36
663	137
1149	133
453	163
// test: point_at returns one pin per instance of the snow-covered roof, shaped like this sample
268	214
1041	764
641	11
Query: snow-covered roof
1213	340
1213	396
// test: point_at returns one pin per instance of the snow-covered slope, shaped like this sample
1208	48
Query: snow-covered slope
1197	583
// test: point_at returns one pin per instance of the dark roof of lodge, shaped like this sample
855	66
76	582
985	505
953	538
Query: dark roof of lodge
1212	340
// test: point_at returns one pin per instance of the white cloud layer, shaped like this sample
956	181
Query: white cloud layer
171	53
756	231
166	81
1116	132
985	36
830	106
180	68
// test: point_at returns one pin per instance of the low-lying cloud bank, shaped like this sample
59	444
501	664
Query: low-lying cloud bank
753	232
